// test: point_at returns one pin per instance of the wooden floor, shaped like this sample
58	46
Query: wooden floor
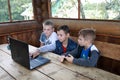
10	70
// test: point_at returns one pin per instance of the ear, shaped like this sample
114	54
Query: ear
68	34
88	41
53	29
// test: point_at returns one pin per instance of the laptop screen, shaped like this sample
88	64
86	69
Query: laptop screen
19	52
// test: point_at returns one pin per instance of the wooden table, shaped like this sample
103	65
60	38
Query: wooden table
10	70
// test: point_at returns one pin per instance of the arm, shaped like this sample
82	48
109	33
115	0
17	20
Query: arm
42	49
46	48
75	52
92	61
42	39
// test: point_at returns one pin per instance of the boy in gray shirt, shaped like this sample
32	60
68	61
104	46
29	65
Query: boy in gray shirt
47	39
86	54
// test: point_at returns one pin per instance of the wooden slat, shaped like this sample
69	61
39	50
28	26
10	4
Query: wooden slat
102	27
109	50
18	71
2	58
18	26
4	75
58	72
29	36
4	48
94	73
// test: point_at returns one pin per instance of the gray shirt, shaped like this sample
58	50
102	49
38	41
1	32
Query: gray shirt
49	44
91	61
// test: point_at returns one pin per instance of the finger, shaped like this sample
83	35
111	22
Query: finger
34	55
69	55
62	59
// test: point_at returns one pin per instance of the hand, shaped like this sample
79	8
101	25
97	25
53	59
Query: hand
61	59
69	58
35	53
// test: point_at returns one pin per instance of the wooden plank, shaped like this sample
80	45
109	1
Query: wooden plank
3	56
102	27
17	27
58	72
19	72
109	50
91	72
4	75
4	48
66	74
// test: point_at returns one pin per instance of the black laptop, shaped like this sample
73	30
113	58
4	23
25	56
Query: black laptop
20	54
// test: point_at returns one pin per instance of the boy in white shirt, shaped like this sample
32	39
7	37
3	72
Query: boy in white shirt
47	38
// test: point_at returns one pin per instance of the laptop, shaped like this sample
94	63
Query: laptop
20	54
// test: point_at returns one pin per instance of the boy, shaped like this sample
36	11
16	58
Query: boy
64	43
88	54
47	38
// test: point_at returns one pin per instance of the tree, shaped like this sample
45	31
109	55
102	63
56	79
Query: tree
16	9
3	11
64	8
115	6
107	9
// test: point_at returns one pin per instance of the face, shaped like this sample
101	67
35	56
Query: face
62	36
81	41
47	29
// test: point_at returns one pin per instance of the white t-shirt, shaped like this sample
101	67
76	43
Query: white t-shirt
49	44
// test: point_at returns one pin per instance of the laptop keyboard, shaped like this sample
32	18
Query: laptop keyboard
37	61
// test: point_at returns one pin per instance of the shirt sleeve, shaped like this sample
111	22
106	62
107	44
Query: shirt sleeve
53	38
49	47
46	48
92	61
42	38
74	52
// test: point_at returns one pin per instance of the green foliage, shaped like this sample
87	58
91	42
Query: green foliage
16	9
3	11
63	8
107	9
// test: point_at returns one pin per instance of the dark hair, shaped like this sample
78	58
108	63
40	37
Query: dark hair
88	33
65	28
48	22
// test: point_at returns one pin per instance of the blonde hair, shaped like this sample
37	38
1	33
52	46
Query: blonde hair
88	34
48	22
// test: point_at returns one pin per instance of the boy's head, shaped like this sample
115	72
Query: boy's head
63	33
48	27
86	36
